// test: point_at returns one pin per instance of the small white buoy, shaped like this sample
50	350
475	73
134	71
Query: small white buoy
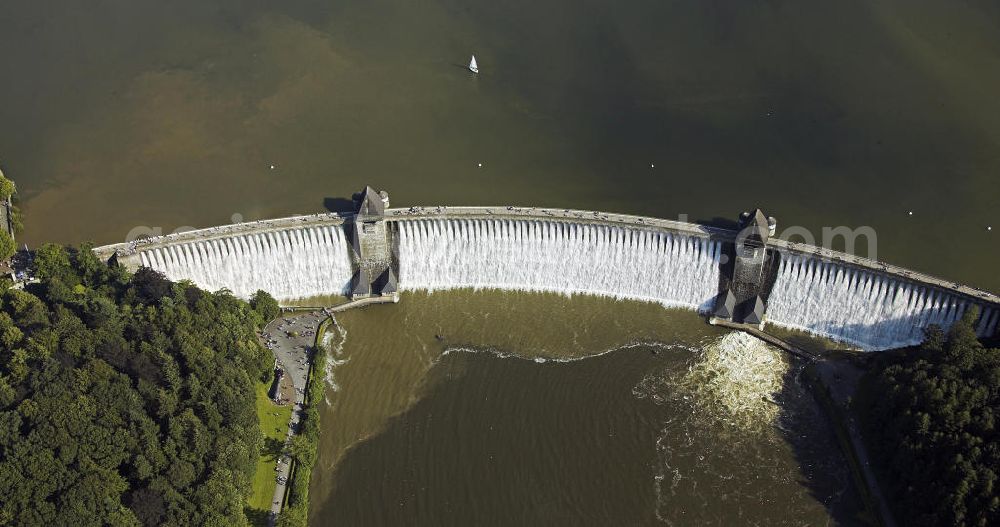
652	165
911	213
480	165
989	228
272	167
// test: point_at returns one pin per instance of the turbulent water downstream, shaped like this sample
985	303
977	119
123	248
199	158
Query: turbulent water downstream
145	116
537	409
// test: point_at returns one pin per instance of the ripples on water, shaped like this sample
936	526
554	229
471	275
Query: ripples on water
592	412
734	381
333	345
718	454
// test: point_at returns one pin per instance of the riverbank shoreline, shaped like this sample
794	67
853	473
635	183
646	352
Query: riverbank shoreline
293	504
833	378
834	383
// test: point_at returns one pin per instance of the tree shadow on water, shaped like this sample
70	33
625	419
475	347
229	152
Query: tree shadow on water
824	470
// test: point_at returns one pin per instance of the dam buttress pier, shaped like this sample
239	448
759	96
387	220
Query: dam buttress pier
747	271
372	253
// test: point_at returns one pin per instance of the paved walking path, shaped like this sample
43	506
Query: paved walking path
290	339
361	302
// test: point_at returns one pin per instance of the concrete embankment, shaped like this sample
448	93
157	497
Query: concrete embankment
361	302
766	337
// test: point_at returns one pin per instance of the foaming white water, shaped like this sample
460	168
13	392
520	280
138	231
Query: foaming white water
735	380
289	264
535	255
727	392
741	374
862	308
333	343
500	354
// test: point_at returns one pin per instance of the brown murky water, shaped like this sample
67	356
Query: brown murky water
464	408
145	113
117	115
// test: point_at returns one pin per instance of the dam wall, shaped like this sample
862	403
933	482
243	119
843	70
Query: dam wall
868	304
672	269
861	307
290	263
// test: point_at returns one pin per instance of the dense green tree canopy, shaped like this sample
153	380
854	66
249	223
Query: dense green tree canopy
265	304
7	187
7	245
931	417
126	400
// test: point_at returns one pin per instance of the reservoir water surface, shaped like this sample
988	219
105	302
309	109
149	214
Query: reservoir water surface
852	113
483	408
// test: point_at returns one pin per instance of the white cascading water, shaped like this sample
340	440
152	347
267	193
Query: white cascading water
863	308
859	307
289	264
535	255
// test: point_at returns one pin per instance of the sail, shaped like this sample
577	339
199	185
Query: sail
473	67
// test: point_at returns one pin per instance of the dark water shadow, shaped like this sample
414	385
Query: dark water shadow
824	469
718	222
341	206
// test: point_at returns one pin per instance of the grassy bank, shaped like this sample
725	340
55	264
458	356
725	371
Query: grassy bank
305	444
274	424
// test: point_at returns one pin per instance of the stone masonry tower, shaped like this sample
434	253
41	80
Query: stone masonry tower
744	298
371	246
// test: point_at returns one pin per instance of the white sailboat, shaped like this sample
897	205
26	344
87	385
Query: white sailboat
473	67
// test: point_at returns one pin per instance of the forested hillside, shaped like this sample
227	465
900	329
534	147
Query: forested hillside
931	417
125	400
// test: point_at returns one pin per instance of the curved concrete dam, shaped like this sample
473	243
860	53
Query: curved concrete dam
867	304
